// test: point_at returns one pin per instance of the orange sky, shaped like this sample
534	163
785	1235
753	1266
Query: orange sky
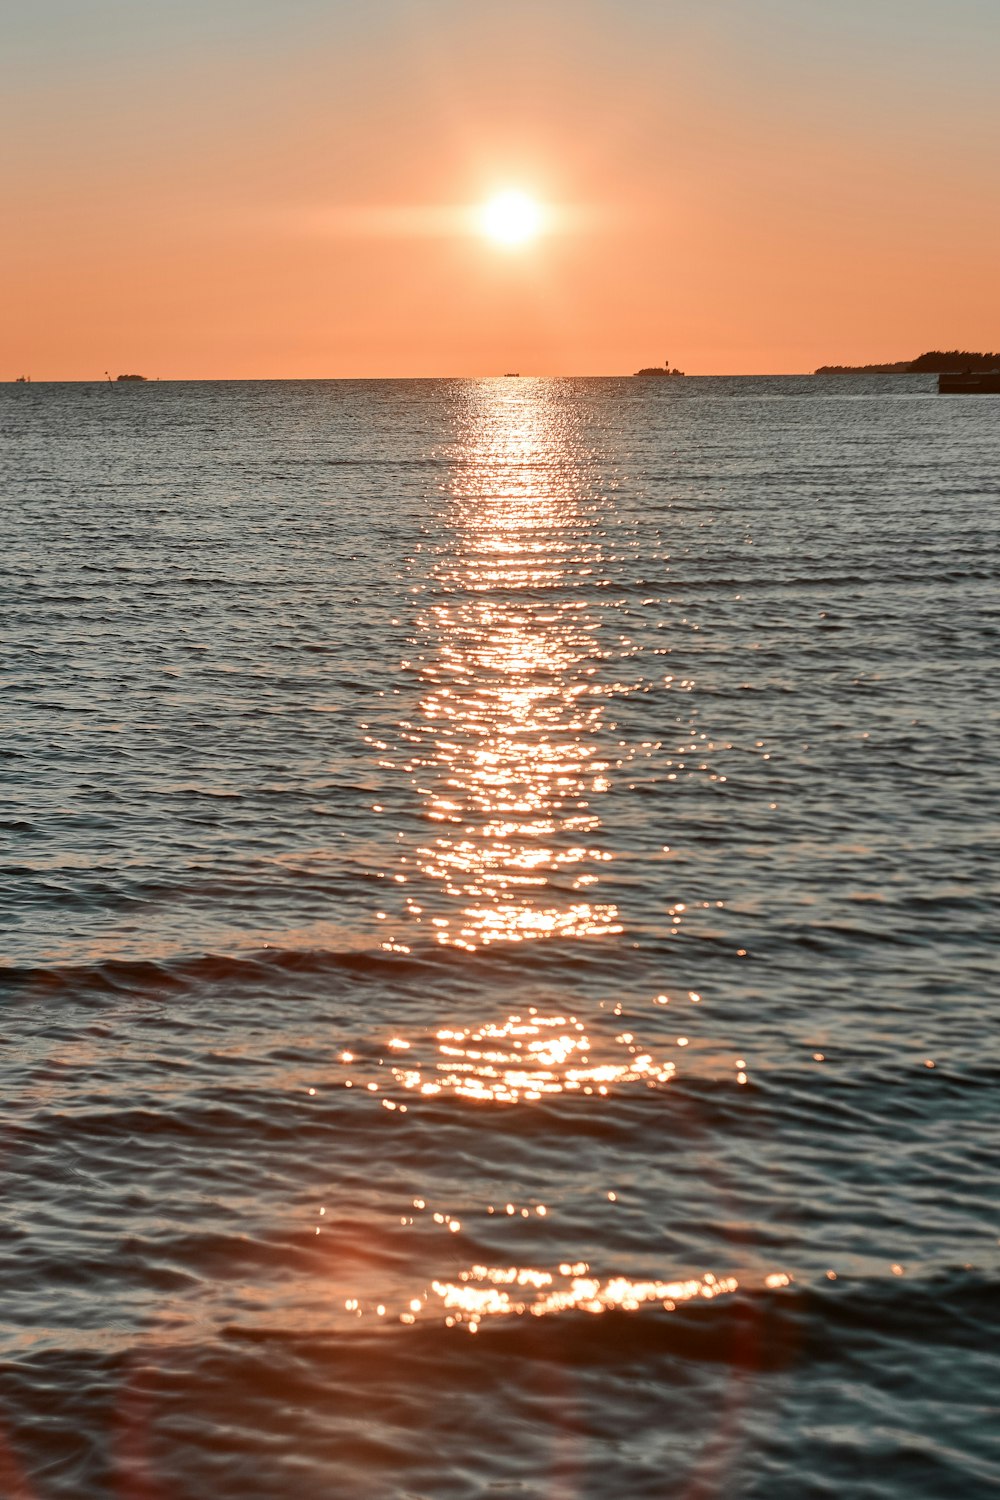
244	188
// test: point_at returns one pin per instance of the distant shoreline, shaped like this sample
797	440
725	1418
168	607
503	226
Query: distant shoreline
933	362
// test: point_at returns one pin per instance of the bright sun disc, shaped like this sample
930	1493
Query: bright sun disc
511	218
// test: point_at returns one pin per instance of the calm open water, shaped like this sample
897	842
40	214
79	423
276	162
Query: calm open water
499	885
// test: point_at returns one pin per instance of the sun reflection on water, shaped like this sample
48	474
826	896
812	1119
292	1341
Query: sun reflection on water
498	1291
515	1291
511	747
506	752
528	1057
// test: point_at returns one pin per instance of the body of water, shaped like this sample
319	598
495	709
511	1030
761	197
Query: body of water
498	884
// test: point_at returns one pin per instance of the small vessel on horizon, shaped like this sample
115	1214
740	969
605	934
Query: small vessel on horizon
131	377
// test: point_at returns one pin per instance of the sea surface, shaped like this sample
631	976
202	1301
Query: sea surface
499	900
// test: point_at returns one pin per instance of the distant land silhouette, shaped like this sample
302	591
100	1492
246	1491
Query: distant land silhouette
663	369
935	362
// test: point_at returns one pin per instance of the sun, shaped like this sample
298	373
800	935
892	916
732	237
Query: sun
511	218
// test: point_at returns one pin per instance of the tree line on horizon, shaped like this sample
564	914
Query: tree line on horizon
934	362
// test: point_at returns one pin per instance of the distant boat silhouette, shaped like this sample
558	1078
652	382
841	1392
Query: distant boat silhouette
512	375
22	380
131	377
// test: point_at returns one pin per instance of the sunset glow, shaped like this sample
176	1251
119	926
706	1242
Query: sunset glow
358	191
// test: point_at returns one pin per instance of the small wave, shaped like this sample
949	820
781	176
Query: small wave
258	965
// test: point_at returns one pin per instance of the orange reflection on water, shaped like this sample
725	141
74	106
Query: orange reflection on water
498	1291
530	1057
506	753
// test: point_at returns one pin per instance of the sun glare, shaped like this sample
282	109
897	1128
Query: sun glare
511	218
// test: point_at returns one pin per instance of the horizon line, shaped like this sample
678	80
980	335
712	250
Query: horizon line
499	375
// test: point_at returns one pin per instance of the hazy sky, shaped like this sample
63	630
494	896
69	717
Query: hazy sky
254	188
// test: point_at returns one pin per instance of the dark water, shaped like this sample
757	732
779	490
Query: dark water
499	889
